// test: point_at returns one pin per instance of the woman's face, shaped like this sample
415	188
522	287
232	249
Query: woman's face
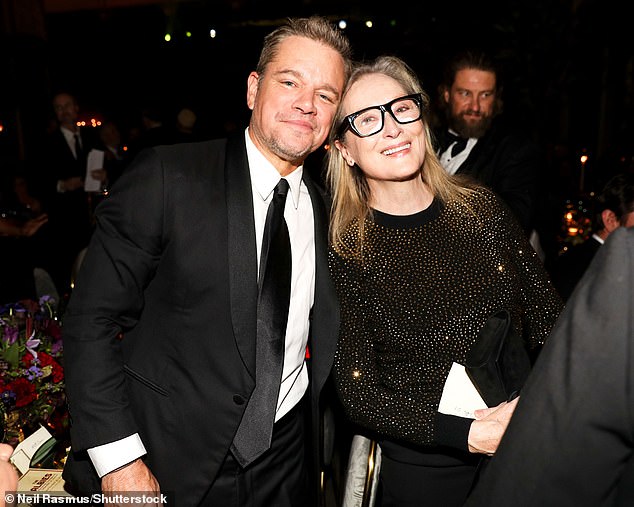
395	153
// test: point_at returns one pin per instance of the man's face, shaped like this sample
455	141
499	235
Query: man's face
471	102
294	101
66	110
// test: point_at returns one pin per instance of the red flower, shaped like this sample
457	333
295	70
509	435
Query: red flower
45	360
27	359
24	391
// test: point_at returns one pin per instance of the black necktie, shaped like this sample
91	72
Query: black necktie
79	154
254	433
461	143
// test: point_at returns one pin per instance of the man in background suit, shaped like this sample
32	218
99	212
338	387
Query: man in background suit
571	438
614	208
59	170
160	332
476	140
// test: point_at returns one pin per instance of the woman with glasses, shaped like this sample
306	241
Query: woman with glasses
420	260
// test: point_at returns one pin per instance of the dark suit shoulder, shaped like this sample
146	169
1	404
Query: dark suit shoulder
184	158
618	252
513	143
200	149
173	166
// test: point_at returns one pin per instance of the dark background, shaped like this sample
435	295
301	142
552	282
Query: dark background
569	64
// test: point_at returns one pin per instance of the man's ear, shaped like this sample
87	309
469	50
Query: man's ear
252	88
610	221
445	95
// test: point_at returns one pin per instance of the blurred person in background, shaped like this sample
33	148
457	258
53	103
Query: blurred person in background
613	208
476	139
57	177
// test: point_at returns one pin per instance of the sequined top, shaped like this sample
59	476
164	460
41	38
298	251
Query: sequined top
415	299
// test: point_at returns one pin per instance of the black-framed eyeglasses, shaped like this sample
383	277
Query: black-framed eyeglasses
370	121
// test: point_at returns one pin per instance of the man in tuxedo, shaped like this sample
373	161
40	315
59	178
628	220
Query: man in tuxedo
58	174
162	333
475	140
614	208
571	438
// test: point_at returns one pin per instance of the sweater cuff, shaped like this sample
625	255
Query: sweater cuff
452	431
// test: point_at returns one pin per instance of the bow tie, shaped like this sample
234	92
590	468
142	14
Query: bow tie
460	143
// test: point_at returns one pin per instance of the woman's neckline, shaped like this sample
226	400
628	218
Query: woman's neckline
408	221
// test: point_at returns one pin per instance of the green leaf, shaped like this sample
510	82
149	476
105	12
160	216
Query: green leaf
12	355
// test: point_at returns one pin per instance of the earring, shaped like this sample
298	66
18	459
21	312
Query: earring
350	162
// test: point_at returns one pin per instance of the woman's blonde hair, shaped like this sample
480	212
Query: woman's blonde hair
348	185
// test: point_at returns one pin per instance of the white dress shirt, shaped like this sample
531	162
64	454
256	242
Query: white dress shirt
69	135
298	214
598	238
452	164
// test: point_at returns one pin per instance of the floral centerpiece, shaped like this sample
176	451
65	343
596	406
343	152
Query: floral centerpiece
31	371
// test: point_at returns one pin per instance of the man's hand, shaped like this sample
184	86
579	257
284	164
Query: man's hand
99	174
135	478
74	183
31	226
490	424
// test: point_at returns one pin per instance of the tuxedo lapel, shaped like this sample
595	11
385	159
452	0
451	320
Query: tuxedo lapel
243	268
241	250
325	314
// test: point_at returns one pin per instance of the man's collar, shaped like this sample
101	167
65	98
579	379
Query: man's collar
265	177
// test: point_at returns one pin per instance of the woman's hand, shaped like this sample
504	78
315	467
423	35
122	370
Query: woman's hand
489	426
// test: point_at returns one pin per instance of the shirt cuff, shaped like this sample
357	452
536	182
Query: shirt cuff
113	455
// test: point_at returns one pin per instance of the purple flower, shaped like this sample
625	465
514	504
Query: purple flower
8	398
10	334
34	372
57	348
31	344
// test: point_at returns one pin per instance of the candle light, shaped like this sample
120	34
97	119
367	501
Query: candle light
583	160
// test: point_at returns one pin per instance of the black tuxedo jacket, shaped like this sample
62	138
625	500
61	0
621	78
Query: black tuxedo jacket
172	265
508	164
571	439
55	161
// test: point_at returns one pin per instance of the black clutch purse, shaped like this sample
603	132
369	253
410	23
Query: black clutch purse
498	363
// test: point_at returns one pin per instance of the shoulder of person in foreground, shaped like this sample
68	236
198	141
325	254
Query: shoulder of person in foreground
554	451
